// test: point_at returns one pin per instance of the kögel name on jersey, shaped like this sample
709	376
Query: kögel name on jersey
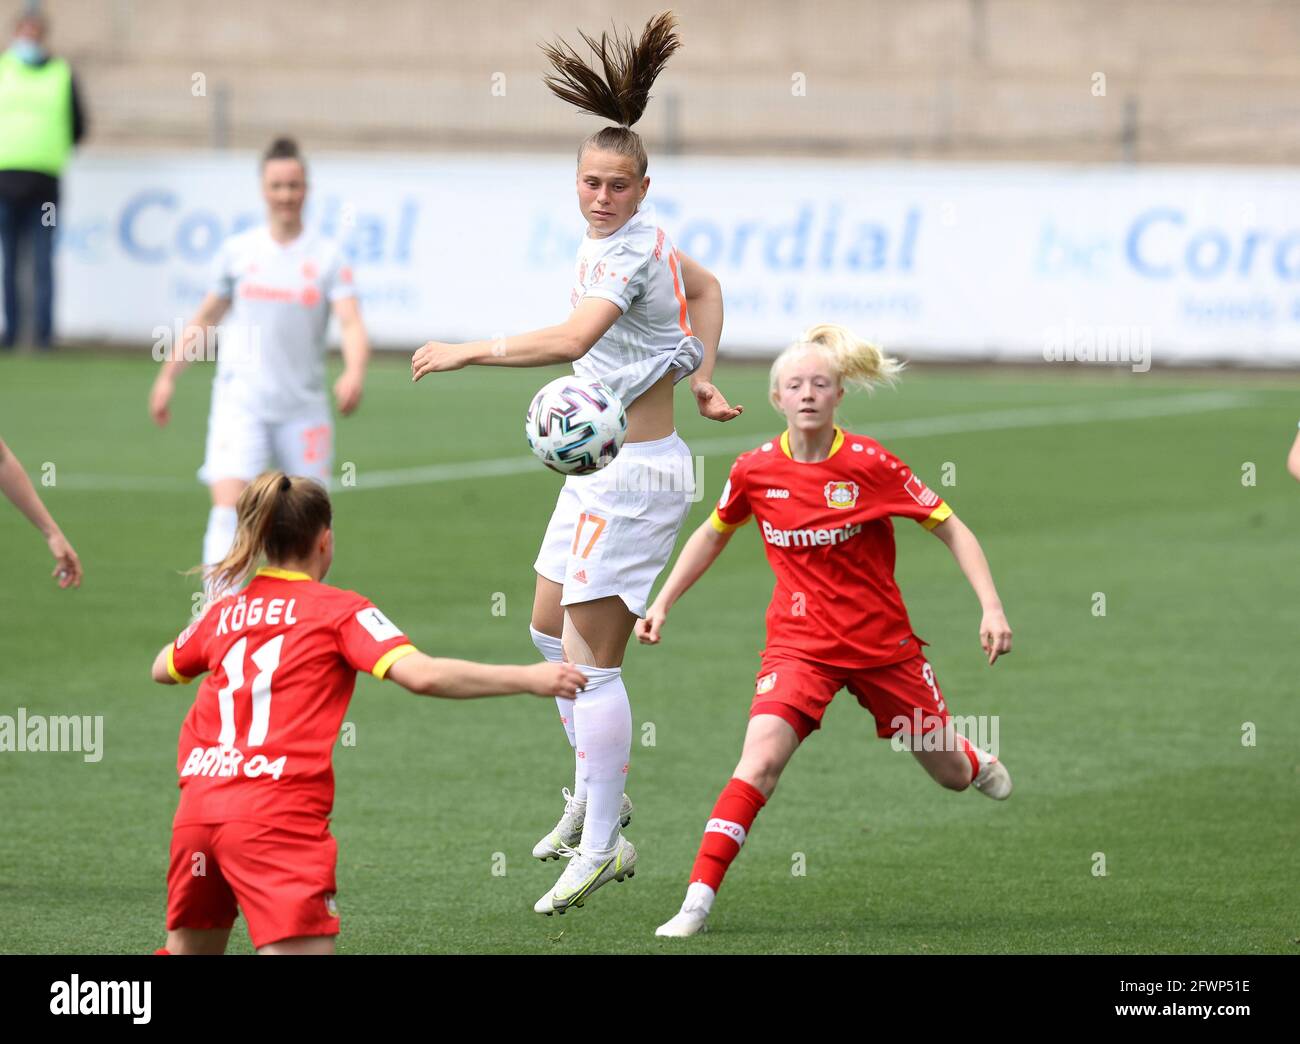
240	615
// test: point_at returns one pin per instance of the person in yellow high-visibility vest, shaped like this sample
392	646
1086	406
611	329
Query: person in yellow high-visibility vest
40	120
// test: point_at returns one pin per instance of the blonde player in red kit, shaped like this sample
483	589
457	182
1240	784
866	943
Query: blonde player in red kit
257	784
823	498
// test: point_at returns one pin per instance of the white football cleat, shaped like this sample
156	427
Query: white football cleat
689	920
693	917
568	831
585	874
993	780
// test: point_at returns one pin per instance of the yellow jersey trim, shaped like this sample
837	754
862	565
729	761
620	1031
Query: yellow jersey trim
726	527
835	446
940	513
391	657
281	574
177	677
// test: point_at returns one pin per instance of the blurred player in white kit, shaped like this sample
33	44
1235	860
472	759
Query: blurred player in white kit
275	286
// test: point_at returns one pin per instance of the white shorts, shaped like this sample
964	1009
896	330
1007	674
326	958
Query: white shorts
242	445
612	532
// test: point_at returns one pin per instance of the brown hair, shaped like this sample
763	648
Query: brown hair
620	94
277	516
283	148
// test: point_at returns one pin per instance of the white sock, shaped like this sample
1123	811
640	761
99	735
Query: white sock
982	756
602	718
220	535
552	649
698	896
579	780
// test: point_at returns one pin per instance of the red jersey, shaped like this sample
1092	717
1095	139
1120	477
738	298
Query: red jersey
826	529
283	656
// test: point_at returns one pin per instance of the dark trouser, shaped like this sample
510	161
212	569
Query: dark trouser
23	231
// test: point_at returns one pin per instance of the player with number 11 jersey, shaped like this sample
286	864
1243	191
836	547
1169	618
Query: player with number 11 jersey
251	832
283	655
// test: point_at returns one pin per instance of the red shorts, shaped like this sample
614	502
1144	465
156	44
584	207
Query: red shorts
282	880
902	696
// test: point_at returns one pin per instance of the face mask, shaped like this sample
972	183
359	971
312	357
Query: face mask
28	50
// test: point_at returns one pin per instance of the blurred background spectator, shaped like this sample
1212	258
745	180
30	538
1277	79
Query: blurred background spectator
40	120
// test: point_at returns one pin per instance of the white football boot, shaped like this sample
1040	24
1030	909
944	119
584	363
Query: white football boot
568	831
993	780
586	873
693	917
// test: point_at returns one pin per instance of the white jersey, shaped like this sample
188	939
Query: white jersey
638	269
272	341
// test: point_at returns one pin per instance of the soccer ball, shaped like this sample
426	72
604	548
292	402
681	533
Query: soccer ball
576	425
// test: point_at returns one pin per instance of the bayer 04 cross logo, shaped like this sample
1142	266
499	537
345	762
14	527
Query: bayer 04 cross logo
575	425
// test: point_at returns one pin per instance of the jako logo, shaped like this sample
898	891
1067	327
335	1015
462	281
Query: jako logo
778	494
725	826
101	998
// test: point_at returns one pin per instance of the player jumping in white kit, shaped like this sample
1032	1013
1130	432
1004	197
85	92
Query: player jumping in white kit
644	317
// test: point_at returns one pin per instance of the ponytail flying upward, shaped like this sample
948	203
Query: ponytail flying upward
621	91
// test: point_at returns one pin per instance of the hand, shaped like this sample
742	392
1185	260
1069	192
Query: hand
647	630
160	397
995	635
712	404
435	357
347	392
68	566
555	679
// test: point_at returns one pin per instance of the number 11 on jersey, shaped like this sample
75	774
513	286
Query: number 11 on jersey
266	658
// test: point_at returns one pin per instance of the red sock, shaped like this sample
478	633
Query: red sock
970	756
162	952
732	817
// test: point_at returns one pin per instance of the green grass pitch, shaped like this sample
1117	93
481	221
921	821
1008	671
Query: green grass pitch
1123	732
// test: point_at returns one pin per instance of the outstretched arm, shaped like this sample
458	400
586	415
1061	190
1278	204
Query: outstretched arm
452	679
15	485
704	546
570	340
1293	459
995	632
464	679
